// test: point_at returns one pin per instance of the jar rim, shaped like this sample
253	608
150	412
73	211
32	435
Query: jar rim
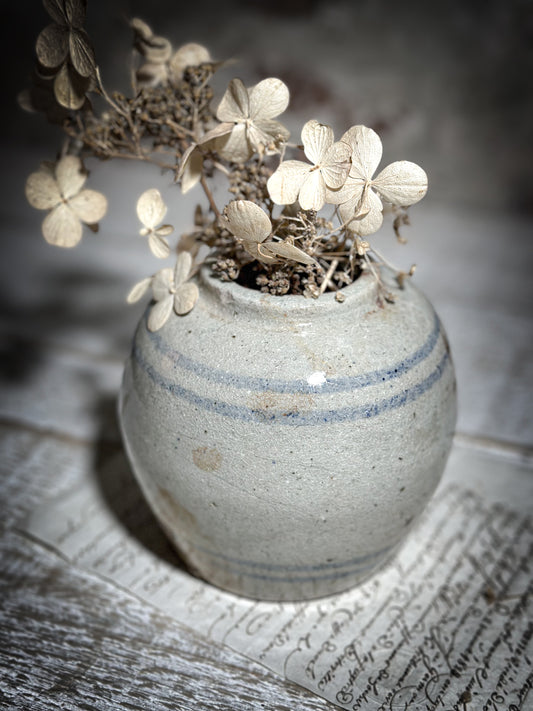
229	293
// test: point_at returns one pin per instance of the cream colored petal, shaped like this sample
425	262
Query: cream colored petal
256	251
81	52
364	217
274	130
61	227
42	191
235	147
247	221
52	46
150	208
185	298
159	247
366	151
285	183
317	139
183	267
89	205
164	230
367	201
160	312
70	176
368	224
162	283
191	169
234	104
268	99
221	130
352	190
312	194
287	251
189	55
139	290
336	165
142	30
402	183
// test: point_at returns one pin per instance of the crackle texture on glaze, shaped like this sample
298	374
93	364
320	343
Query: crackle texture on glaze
302	438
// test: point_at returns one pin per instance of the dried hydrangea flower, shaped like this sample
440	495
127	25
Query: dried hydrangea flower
170	290
151	210
248	115
161	65
360	198
64	45
252	227
59	189
188	55
155	50
296	180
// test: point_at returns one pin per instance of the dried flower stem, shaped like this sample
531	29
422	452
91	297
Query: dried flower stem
325	282
209	195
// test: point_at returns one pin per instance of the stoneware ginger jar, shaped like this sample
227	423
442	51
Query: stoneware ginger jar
287	445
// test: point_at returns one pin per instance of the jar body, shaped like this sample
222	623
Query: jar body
288	445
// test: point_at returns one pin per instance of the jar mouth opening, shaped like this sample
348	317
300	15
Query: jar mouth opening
364	289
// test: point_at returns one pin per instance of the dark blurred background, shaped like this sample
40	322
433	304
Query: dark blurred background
446	83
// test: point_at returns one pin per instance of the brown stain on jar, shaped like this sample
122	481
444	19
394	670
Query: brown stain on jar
208	459
267	404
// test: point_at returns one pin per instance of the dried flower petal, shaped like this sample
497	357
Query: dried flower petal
287	251
70	88
285	183
185	298
89	206
268	99
401	183
251	112
150	208
317	139
162	283
158	245
52	46
81	53
182	269
164	230
366	150
160	313
61	227
59	191
139	290
188	55
247	221
296	180
42	191
70	176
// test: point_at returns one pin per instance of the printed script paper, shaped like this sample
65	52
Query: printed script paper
447	625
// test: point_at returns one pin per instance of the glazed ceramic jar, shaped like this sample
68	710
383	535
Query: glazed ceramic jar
287	445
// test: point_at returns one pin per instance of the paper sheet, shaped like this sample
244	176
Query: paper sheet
449	624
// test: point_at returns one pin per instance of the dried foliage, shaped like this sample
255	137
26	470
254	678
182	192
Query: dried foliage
293	226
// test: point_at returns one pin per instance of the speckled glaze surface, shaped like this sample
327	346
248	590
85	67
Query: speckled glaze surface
288	445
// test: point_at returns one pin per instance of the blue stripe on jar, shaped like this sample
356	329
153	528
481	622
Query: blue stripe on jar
293	417
356	382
